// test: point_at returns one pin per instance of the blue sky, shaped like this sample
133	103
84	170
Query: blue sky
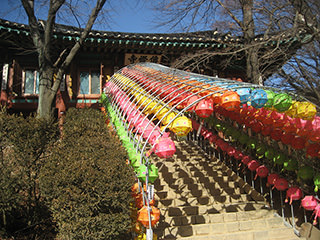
127	16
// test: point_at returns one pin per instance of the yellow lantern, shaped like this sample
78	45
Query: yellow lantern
181	126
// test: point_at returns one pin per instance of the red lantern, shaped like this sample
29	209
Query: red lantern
287	138
204	108
144	218
272	178
298	143
278	119
191	101
231	151
309	203
266	130
276	134
262	171
253	165
313	150
281	184
314	130
246	159
289	126
238	155
293	193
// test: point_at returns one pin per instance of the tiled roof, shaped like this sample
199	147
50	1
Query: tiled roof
198	40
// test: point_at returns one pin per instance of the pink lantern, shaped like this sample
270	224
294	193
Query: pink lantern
281	184
165	147
316	213
309	203
293	193
272	178
253	165
204	108
262	171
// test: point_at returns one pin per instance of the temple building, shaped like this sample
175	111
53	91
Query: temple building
102	54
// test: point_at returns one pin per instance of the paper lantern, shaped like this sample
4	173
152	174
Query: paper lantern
289	126
204	108
246	159
313	150
190	101
276	134
181	126
258	98
253	165
316	182
316	213
314	130
266	130
282	102
165	147
230	100
280	158
270	153
244	94
309	203
291	164
272	178
238	155
143	236
231	151
144	218
305	173
281	184
301	124
298	143
293	193
305	110
287	138
270	96
262	171
279	120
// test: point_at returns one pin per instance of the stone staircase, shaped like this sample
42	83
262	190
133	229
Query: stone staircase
201	198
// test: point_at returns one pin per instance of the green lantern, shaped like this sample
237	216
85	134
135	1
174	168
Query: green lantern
260	150
270	95
243	138
305	173
316	181
280	158
270	153
153	173
136	165
282	102
251	143
291	165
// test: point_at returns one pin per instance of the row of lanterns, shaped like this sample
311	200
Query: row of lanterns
143	212
274	180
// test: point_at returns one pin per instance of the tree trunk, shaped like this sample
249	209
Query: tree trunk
46	103
248	29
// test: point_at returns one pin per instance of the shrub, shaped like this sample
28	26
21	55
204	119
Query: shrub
23	145
87	182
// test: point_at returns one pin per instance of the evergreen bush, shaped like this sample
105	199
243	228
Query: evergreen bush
86	181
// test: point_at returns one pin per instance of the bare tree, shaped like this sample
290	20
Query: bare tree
53	67
262	26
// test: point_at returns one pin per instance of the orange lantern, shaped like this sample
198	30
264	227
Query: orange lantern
230	100
144	218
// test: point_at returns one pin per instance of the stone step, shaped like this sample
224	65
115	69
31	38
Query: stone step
247	216
246	230
211	209
192	198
